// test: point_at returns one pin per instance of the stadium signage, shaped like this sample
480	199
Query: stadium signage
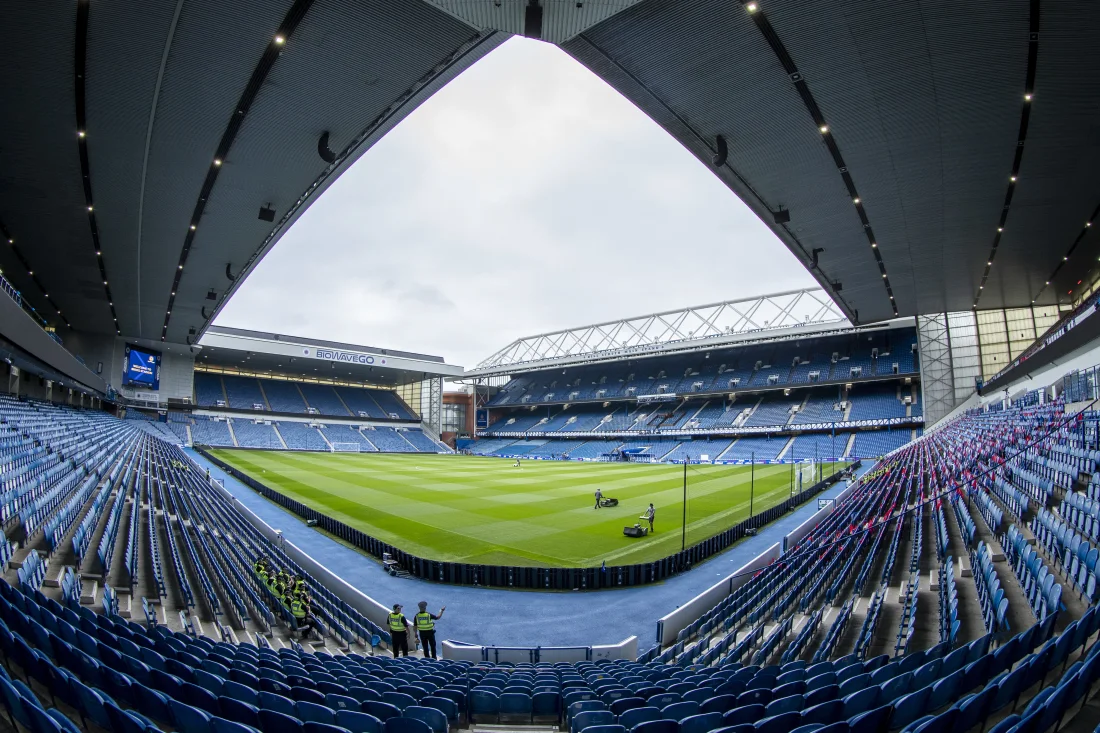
350	357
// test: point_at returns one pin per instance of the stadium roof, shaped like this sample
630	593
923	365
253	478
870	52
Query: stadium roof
795	313
926	157
255	351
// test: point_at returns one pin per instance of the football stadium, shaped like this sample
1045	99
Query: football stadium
868	505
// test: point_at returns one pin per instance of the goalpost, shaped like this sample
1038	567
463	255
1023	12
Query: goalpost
807	475
345	447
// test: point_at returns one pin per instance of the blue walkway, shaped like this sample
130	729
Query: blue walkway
520	617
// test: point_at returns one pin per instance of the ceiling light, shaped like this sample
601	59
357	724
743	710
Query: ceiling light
279	40
1000	229
98	253
89	208
30	272
11	241
1028	97
104	282
884	276
990	263
752	7
181	267
981	287
1088	223
217	161
874	246
192	227
1012	178
824	129
1047	282
173	292
855	200
1065	259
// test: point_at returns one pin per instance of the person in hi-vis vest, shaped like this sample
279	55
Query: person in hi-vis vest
399	631
425	626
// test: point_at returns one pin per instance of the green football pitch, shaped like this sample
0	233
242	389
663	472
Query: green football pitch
486	511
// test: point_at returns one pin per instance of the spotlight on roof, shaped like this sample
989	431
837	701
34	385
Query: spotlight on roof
217	161
80	134
824	129
752	7
783	216
1028	97
279	40
266	213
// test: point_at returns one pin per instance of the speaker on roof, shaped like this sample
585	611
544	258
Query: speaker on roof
228	273
783	216
323	149
266	213
719	158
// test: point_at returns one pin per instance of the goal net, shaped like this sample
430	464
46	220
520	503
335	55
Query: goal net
345	447
807	475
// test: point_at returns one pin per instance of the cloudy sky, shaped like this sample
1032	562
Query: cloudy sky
527	196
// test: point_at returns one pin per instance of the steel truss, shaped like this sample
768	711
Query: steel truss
651	333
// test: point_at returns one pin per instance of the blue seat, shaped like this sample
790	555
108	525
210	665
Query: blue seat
357	722
241	712
612	728
821	694
484	705
680	710
633	717
743	714
860	702
221	725
871	721
909	708
656	726
515	706
341	702
187	718
620	706
789	704
824	713
310	712
587	718
434	718
406	725
272	721
381	710
718	704
782	723
702	723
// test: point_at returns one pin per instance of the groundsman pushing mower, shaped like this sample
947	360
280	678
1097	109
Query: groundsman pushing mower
608	501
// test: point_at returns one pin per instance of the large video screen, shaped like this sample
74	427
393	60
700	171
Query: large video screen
142	368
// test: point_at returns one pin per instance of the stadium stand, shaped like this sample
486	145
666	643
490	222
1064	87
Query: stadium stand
693	450
878	443
998	656
283	396
345	434
300	436
360	402
763	449
256	435
243	392
388	440
873	403
323	399
207	431
209	391
818	446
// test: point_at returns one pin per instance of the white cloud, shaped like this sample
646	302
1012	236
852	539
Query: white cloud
526	196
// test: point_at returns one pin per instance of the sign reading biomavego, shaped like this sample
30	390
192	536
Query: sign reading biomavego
353	357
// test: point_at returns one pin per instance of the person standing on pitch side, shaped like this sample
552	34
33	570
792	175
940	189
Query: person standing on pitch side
425	625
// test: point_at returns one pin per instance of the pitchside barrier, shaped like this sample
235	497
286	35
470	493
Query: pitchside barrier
507	576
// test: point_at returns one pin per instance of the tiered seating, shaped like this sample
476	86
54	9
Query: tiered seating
422	442
873	403
388	441
990	594
337	434
392	405
360	402
283	396
207	431
208	390
818	447
256	435
1074	554
300	436
693	450
1039	584
818	408
949	603
243	392
762	449
771	411
323	399
594	449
